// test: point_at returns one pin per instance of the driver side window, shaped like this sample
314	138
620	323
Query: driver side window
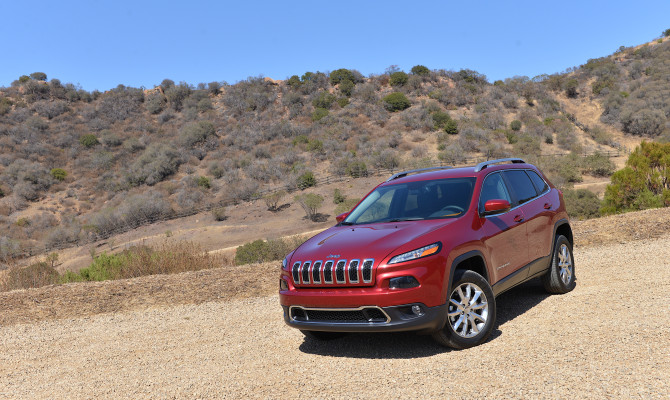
493	188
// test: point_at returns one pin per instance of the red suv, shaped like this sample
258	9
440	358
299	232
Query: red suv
429	250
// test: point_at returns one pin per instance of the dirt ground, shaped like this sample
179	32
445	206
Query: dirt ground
220	334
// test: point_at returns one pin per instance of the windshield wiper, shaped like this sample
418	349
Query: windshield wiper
404	219
346	223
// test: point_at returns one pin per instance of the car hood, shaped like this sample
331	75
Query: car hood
366	241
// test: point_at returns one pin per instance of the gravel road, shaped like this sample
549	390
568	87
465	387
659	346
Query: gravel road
610	338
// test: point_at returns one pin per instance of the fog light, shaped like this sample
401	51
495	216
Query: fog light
403	282
416	310
282	284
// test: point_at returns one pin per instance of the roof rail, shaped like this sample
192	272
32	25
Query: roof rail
413	171
485	164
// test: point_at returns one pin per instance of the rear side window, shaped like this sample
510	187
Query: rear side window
493	188
521	186
539	183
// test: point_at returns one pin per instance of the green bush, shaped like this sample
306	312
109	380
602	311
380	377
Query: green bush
451	127
398	78
515	125
88	140
581	203
324	100
440	119
340	75
643	183
420	70
319	113
343	102
356	169
294	81
666	33
204	182
58	174
338	197
347	87
310	203
597	165
396	102
306	180
5	106
263	251
24	78
104	267
38	76
196	132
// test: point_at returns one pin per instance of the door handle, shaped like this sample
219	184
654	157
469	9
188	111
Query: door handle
547	206
518	218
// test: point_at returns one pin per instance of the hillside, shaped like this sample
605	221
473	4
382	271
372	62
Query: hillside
77	167
187	335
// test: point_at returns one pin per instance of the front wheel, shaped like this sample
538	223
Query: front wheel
561	276
471	312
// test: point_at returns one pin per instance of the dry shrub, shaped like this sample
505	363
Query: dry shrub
168	258
32	276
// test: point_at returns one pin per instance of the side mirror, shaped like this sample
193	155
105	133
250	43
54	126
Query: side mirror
341	217
495	206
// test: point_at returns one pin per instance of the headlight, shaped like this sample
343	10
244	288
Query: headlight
283	263
418	253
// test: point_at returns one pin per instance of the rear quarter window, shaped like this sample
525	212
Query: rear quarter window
521	186
539	183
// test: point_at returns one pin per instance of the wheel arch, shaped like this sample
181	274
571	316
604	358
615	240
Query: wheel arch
562	227
473	261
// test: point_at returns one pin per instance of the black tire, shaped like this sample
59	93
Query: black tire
448	335
560	278
323	336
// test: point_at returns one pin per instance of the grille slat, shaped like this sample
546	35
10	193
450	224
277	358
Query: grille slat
296	272
316	272
305	272
353	271
328	272
367	270
339	271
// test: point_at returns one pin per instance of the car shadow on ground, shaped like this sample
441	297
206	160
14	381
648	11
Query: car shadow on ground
410	345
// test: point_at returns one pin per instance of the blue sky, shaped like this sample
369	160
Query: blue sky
100	44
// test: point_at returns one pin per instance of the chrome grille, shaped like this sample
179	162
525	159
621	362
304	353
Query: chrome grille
331	272
339	271
328	272
296	272
316	272
305	272
367	270
353	271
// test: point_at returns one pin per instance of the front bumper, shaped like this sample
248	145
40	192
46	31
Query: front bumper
395	319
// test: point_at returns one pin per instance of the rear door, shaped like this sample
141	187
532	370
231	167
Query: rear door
504	234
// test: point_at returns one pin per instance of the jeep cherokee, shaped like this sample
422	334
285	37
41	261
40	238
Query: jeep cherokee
429	250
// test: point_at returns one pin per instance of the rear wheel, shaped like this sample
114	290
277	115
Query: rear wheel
322	336
561	276
471	312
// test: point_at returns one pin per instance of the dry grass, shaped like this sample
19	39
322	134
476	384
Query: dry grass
169	257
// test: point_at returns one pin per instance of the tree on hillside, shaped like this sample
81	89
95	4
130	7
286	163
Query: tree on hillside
666	32
643	183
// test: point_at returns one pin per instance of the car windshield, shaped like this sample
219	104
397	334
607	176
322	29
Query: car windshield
434	199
